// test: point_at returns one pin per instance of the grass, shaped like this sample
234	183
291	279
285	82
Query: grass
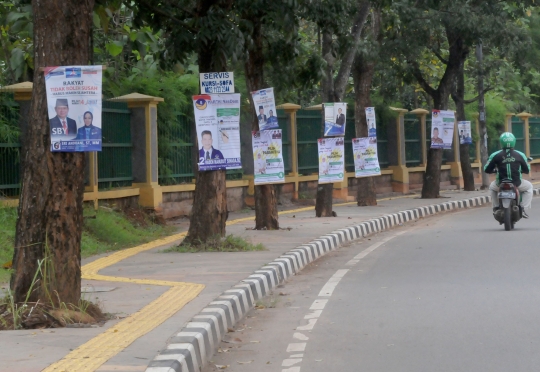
109	231
230	243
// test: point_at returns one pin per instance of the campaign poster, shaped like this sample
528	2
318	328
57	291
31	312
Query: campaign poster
217	118
217	82
366	161
331	159
268	157
464	132
265	107
442	129
371	122
74	106
334	119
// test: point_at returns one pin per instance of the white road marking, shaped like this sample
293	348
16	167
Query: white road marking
293	369
318	305
300	336
314	315
295	347
297	356
332	283
308	327
290	362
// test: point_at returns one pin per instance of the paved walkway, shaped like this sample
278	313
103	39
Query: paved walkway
154	294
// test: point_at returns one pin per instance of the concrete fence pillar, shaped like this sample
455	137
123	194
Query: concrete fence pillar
290	110
144	156
400	173
524	116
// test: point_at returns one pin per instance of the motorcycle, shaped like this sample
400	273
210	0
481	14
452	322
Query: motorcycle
510	210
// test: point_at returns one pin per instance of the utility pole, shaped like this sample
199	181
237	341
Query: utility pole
482	115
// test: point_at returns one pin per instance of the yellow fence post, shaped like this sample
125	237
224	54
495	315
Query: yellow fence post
524	116
422	113
145	147
291	109
400	173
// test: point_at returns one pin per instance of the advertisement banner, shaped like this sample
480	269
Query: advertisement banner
268	157
464	131
265	107
366	161
217	118
217	82
74	105
442	129
334	119
331	159
371	122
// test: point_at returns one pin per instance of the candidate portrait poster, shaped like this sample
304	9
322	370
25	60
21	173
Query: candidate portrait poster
74	107
217	118
331	159
334	119
268	157
464	132
265	107
366	161
442	129
371	122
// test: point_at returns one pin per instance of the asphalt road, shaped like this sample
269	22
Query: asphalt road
450	293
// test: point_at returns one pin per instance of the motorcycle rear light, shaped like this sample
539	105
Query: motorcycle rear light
506	186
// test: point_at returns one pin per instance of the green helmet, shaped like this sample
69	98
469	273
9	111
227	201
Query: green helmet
507	140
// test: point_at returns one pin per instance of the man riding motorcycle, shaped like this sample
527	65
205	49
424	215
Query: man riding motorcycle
509	164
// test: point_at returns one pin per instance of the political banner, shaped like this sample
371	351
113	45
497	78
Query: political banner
366	161
371	122
464	131
334	119
331	159
265	106
217	82
442	129
268	157
74	107
217	118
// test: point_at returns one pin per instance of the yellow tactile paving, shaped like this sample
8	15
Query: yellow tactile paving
91	355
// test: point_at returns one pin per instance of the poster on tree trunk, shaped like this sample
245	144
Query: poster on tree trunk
442	129
268	157
74	106
217	118
464	131
334	119
331	159
265	107
366	161
371	122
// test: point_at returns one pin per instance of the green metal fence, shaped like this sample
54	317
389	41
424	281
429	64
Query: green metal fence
413	140
114	161
10	153
309	130
176	157
534	136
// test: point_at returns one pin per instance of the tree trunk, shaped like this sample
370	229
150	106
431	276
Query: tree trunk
482	116
266	213
459	99
209	214
363	72
50	211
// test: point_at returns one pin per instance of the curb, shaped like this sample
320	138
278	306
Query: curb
193	347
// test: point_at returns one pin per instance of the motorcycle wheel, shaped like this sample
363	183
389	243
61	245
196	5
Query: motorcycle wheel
507	219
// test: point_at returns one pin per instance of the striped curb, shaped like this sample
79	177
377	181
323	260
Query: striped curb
193	347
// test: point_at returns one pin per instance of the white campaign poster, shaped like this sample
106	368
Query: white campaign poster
217	82
331	159
74	105
335	119
366	161
464	132
217	117
265	107
268	157
371	122
442	129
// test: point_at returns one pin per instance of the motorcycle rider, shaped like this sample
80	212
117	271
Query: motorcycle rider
509	164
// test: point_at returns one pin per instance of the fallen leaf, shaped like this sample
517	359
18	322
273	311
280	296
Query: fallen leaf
221	366
255	342
239	362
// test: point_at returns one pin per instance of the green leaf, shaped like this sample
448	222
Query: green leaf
114	48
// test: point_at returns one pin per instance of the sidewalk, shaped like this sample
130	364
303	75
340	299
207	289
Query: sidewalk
35	350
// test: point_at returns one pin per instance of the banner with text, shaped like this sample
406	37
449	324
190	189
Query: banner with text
371	122
217	118
268	157
334	119
265	107
442	129
464	131
331	159
74	106
217	82
366	161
